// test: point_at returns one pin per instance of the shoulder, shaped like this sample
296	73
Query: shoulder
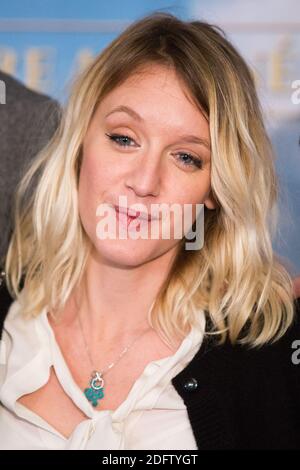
5	302
283	348
237	373
10	324
274	355
238	360
18	331
12	320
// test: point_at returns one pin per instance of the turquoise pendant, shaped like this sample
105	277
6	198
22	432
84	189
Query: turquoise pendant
95	392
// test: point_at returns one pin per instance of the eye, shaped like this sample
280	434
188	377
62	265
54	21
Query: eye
124	141
191	160
121	140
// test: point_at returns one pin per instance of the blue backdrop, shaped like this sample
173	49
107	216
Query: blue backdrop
43	43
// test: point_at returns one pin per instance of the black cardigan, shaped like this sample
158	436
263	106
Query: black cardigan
236	397
241	398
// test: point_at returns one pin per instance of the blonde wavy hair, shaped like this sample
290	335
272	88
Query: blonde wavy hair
236	279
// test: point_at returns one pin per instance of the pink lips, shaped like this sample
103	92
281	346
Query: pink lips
123	217
133	214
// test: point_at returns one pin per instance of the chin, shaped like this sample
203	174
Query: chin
124	253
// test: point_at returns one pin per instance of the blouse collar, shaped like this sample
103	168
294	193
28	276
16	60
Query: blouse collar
34	350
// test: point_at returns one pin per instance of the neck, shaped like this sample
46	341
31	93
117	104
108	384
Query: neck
114	302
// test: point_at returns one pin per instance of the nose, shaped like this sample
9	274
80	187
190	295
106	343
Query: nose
145	178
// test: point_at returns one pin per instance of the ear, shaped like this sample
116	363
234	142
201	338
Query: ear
210	202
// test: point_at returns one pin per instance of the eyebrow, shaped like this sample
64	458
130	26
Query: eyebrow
182	138
192	139
126	109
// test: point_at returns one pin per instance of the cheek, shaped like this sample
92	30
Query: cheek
195	193
95	176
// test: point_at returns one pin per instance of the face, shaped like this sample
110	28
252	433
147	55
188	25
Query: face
141	152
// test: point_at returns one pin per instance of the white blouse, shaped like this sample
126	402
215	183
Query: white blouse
153	416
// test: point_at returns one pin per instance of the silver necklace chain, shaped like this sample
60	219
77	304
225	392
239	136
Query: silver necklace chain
125	350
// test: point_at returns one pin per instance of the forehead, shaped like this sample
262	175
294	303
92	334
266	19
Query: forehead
159	96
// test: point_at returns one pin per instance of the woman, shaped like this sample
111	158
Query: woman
106	336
